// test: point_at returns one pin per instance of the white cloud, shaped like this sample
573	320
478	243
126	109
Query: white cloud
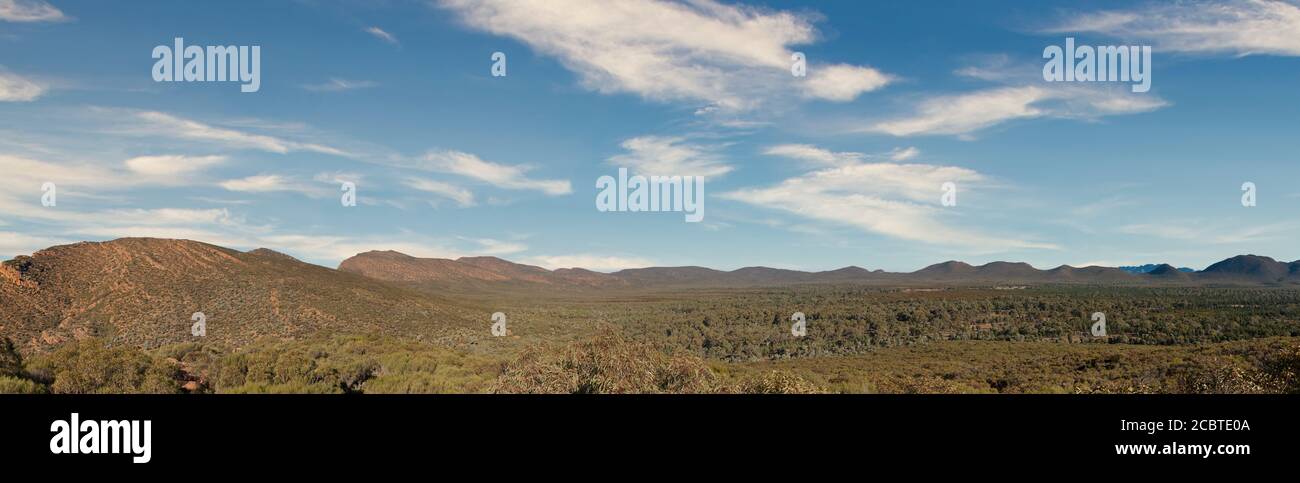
842	82
599	263
268	183
732	56
814	154
669	156
895	200
340	85
24	174
499	175
338	177
826	157
461	196
962	114
84	180
382	35
170	216
29	11
17	89
170	168
904	154
1234	27
152	123
967	112
13	244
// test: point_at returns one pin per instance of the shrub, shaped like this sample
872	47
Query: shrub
14	385
776	382
606	364
11	363
90	367
1220	376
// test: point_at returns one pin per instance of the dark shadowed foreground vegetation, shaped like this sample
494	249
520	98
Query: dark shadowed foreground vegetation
609	363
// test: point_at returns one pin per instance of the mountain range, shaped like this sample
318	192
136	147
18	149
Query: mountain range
1148	268
397	267
145	291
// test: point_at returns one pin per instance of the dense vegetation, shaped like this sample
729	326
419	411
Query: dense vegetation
754	325
859	339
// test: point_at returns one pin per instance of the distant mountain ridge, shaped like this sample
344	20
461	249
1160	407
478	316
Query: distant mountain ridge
1148	268
397	267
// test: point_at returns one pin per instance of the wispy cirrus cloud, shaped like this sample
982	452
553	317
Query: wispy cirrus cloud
154	123
885	198
172	168
731	56
670	156
1232	27
14	88
29	11
513	177
83	179
461	196
340	85
1020	94
272	183
381	34
825	157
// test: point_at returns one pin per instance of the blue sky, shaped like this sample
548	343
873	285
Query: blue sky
840	167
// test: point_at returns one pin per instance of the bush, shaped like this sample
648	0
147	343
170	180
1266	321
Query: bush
90	367
776	382
606	364
11	363
1220	376
14	385
348	364
1283	369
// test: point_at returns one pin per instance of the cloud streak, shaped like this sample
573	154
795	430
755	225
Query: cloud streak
669	156
731	56
29	11
461	196
154	124
1022	95
340	85
1233	27
512	177
383	35
14	88
895	200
